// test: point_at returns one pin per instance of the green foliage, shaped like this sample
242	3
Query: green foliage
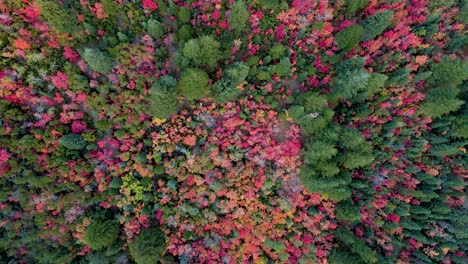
345	211
203	51
444	81
333	188
239	17
148	247
98	60
184	15
354	83
224	90
376	24
163	97
72	142
57	16
448	73
343	256
349	37
356	245
193	84
283	69
155	29
277	51
237	72
354	5
100	234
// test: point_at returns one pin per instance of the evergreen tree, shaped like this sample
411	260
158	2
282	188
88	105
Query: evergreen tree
237	72
100	234
444	81
163	97
356	245
349	37
277	51
376	24
283	69
224	91
98	60
193	84
239	17
58	17
203	51
155	29
73	142
345	211
148	247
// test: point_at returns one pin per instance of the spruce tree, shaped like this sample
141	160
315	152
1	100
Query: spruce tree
100	234
376	24
239	17
148	247
193	84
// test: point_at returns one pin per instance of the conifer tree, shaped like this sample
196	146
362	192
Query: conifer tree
193	84
376	24
97	60
239	17
203	52
148	247
349	37
163	97
72	142
100	234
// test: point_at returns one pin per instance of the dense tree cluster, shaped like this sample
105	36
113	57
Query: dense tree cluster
263	131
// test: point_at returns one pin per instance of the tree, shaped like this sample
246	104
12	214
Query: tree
239	17
376	24
355	5
345	211
277	51
237	72
203	51
224	91
155	29
283	69
163	97
356	245
349	37
149	246
72	142
193	84
354	83
445	79
183	15
58	17
100	234
98	60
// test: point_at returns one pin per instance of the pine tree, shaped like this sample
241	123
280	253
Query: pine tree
237	72
376	24
155	28
203	51
224	90
58	17
97	60
148	247
72	142
193	84
349	37
345	211
163	97
239	17
100	234
356	245
277	51
283	68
